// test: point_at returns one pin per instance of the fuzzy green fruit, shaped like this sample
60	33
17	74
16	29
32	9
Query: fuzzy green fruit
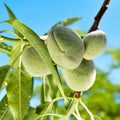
82	77
65	47
95	43
33	63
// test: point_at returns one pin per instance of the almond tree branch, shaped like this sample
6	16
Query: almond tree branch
99	15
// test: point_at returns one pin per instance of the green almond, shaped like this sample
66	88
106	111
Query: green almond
65	47
34	64
95	43
82	77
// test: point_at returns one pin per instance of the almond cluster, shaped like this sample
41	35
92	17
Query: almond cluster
70	52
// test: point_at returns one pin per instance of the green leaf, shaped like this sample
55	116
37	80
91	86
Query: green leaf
11	14
45	93
70	21
4	48
71	107
52	87
31	114
66	22
15	54
19	93
3	74
40	47
5	113
7	39
19	86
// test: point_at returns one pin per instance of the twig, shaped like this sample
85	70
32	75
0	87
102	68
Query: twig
99	15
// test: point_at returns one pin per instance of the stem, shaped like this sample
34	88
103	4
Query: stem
5	48
5	51
44	89
99	15
71	107
49	107
50	114
6	39
88	111
77	112
52	102
12	40
9	31
57	78
74	114
52	86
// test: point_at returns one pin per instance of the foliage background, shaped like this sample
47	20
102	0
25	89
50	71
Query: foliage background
104	97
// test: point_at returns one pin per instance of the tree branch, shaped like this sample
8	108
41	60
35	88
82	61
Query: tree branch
99	15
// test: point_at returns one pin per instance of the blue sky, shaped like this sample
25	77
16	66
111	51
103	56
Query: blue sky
40	15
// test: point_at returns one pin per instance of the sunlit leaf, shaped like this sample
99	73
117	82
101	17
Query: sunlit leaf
34	39
66	22
53	90
70	21
4	48
45	93
70	108
15	54
19	86
39	46
5	113
19	93
11	14
3	74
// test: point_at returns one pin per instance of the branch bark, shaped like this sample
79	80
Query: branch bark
99	15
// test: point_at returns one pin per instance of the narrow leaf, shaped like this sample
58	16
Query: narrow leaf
66	22
71	107
5	48
19	94
40	47
15	54
52	87
19	87
70	21
5	113
3	74
57	24
11	14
